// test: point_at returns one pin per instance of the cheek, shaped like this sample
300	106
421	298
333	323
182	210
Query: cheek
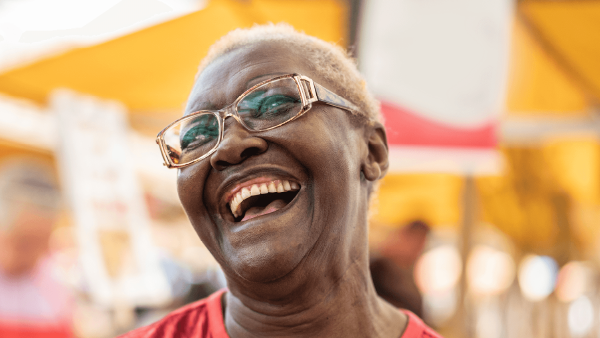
190	184
327	143
328	146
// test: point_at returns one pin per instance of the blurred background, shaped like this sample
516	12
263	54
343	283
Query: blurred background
487	225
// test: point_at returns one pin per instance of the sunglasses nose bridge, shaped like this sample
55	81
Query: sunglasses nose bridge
230	112
227	112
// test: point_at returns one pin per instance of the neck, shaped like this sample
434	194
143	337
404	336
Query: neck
345	305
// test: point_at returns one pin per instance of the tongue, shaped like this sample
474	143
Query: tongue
259	211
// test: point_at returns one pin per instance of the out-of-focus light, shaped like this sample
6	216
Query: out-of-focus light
580	316
574	280
488	322
537	277
439	307
438	270
489	271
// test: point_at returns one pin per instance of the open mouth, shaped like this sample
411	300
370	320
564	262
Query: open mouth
261	199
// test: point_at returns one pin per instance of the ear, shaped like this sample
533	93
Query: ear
375	163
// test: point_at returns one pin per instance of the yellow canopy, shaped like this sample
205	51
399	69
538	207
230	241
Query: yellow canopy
432	198
10	149
550	193
152	71
537	84
554	62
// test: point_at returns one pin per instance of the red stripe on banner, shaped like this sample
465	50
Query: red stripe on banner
404	127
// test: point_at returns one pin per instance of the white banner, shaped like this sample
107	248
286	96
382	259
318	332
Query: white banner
119	261
445	60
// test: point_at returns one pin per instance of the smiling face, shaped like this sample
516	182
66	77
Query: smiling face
267	203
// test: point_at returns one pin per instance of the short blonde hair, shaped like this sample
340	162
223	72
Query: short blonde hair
330	61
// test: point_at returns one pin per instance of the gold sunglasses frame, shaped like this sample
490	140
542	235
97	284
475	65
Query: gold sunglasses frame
309	90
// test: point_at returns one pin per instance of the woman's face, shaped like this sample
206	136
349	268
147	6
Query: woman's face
321	152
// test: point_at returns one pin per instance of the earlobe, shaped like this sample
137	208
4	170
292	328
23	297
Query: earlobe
376	163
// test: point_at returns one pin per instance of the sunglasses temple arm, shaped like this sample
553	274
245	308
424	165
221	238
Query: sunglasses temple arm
331	98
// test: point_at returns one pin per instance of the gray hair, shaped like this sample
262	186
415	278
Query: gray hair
26	183
330	61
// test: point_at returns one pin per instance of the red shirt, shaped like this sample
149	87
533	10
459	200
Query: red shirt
204	319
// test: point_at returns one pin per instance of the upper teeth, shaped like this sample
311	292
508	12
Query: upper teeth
258	189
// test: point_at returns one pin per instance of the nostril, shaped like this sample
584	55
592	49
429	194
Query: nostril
222	164
238	146
249	152
246	153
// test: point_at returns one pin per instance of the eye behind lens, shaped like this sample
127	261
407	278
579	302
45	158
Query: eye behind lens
192	137
270	105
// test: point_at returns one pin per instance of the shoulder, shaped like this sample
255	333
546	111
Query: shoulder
417	329
203	318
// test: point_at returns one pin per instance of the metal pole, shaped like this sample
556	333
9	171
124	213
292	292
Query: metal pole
469	220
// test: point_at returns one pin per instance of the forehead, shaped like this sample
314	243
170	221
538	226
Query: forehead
232	73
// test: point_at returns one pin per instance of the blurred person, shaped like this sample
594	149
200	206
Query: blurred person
392	266
32	302
280	192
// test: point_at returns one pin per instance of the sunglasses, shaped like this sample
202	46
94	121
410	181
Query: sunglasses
265	106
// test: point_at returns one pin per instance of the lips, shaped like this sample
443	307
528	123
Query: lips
253	199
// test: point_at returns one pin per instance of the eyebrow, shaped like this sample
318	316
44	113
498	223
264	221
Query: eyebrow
202	105
205	105
253	81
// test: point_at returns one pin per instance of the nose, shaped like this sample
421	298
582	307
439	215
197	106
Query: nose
238	144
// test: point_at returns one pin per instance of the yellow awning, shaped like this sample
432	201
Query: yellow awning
547	194
551	191
554	66
571	31
10	149
537	84
152	71
435	199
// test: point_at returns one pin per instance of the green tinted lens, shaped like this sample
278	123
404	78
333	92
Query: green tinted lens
270	105
192	138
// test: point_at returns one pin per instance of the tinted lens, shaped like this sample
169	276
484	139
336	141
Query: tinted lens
192	137
270	105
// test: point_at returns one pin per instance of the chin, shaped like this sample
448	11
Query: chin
265	262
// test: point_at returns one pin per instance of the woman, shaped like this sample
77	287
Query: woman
279	192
